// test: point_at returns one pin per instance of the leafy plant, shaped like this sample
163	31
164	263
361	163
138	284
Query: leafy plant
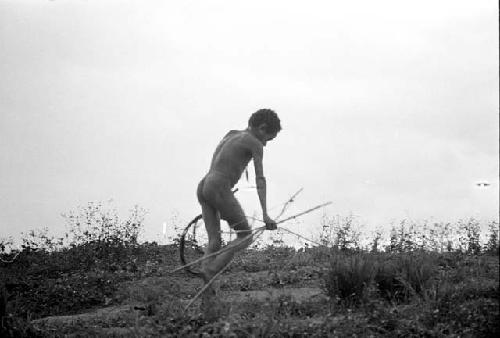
96	223
492	246
340	232
469	239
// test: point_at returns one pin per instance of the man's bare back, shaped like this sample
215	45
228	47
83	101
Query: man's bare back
233	154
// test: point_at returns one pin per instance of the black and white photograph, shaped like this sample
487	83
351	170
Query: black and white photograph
229	168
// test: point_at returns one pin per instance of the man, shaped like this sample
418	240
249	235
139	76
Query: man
214	193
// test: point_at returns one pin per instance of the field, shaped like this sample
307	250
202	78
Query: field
110	285
271	292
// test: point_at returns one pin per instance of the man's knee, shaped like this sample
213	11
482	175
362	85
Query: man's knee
246	237
238	223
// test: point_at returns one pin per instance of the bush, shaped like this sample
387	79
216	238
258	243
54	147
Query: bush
98	224
469	236
48	278
341	232
492	246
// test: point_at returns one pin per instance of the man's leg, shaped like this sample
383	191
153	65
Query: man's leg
211	218
240	243
233	213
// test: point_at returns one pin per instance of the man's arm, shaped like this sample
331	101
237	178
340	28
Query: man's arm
260	181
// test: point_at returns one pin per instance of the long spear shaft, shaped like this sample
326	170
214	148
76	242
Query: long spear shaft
287	203
304	212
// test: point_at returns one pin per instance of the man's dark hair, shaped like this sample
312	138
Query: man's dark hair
267	116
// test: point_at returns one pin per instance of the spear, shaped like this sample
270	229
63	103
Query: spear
287	203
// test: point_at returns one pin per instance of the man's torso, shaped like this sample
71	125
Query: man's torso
232	155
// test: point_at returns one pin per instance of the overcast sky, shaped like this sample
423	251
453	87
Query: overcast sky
389	108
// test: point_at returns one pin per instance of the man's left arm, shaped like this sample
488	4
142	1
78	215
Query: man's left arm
260	181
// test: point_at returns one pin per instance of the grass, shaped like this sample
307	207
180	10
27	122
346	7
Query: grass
380	294
122	288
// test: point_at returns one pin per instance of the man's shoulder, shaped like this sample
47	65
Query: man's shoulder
242	138
233	132
241	134
250	139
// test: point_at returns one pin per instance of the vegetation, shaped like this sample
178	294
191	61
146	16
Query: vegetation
427	279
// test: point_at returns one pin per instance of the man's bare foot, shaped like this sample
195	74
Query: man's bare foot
207	277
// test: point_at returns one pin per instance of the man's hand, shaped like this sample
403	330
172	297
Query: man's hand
270	223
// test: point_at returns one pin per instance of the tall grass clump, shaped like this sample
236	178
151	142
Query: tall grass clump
349	277
405	275
396	277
